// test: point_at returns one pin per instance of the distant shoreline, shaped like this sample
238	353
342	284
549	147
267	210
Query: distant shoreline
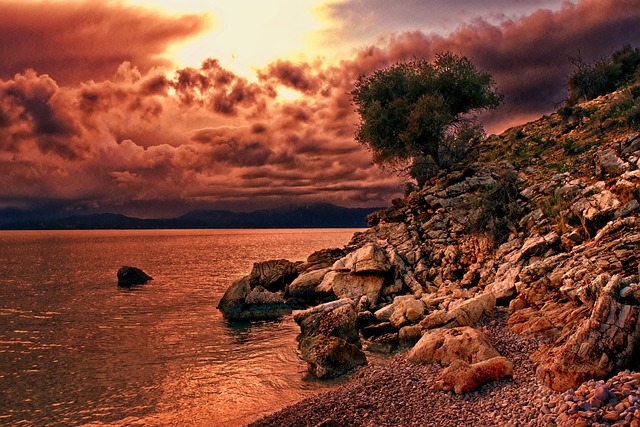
319	215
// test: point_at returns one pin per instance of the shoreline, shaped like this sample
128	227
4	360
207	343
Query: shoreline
395	392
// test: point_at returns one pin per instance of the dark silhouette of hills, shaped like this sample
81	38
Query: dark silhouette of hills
317	215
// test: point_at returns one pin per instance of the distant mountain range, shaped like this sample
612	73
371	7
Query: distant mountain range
316	215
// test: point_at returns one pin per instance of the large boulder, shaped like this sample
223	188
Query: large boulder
604	343
329	340
329	357
443	346
463	377
369	259
273	275
304	290
464	314
129	276
353	286
241	302
232	302
324	258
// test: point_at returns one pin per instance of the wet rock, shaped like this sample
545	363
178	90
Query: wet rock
329	339
273	275
304	290
330	357
241	302
232	303
129	276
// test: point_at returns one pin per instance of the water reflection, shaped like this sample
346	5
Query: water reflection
77	350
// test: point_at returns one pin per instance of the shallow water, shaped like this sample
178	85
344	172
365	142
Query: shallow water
77	350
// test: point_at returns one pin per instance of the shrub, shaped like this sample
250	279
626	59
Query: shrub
589	81
497	210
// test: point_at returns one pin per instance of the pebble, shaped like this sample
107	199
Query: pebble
614	403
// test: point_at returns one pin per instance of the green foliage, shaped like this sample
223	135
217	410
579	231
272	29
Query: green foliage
589	81
497	210
411	110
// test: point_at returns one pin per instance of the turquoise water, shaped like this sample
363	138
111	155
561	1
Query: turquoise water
77	350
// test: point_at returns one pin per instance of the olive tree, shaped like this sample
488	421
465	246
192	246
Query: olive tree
412	110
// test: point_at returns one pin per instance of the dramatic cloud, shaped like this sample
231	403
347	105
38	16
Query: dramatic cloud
77	41
147	142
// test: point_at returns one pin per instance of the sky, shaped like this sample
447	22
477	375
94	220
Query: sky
153	108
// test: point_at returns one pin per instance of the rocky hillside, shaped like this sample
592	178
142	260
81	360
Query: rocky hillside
542	225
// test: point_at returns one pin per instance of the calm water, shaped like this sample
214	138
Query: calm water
77	350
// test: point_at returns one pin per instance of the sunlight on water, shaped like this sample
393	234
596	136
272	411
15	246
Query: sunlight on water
77	350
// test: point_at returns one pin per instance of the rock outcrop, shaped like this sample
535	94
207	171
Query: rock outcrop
260	295
553	235
130	276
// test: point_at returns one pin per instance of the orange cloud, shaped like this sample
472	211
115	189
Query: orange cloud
142	142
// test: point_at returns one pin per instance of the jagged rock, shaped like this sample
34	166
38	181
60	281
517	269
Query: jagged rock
538	244
462	377
329	339
241	302
232	303
443	346
273	275
408	336
465	314
628	208
378	329
602	344
260	295
369	259
408	310
595	210
330	357
304	288
354	286
631	143
384	344
608	164
129	276
504	286
323	258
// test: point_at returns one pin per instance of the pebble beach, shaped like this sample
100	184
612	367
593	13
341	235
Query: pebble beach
399	393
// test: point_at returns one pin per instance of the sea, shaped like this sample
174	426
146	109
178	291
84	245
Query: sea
77	350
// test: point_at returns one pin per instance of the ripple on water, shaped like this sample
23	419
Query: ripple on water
78	350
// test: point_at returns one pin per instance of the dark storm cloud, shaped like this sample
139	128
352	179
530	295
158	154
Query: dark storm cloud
205	136
78	41
298	76
218	89
529	58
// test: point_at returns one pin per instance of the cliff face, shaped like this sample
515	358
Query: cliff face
543	223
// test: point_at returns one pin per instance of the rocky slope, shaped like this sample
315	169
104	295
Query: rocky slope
542	229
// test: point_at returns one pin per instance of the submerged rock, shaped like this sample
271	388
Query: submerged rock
129	276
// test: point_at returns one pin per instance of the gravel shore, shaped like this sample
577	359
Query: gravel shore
398	393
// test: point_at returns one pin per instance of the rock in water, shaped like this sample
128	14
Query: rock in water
129	276
329	340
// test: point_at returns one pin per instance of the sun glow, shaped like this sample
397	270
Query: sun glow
246	34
